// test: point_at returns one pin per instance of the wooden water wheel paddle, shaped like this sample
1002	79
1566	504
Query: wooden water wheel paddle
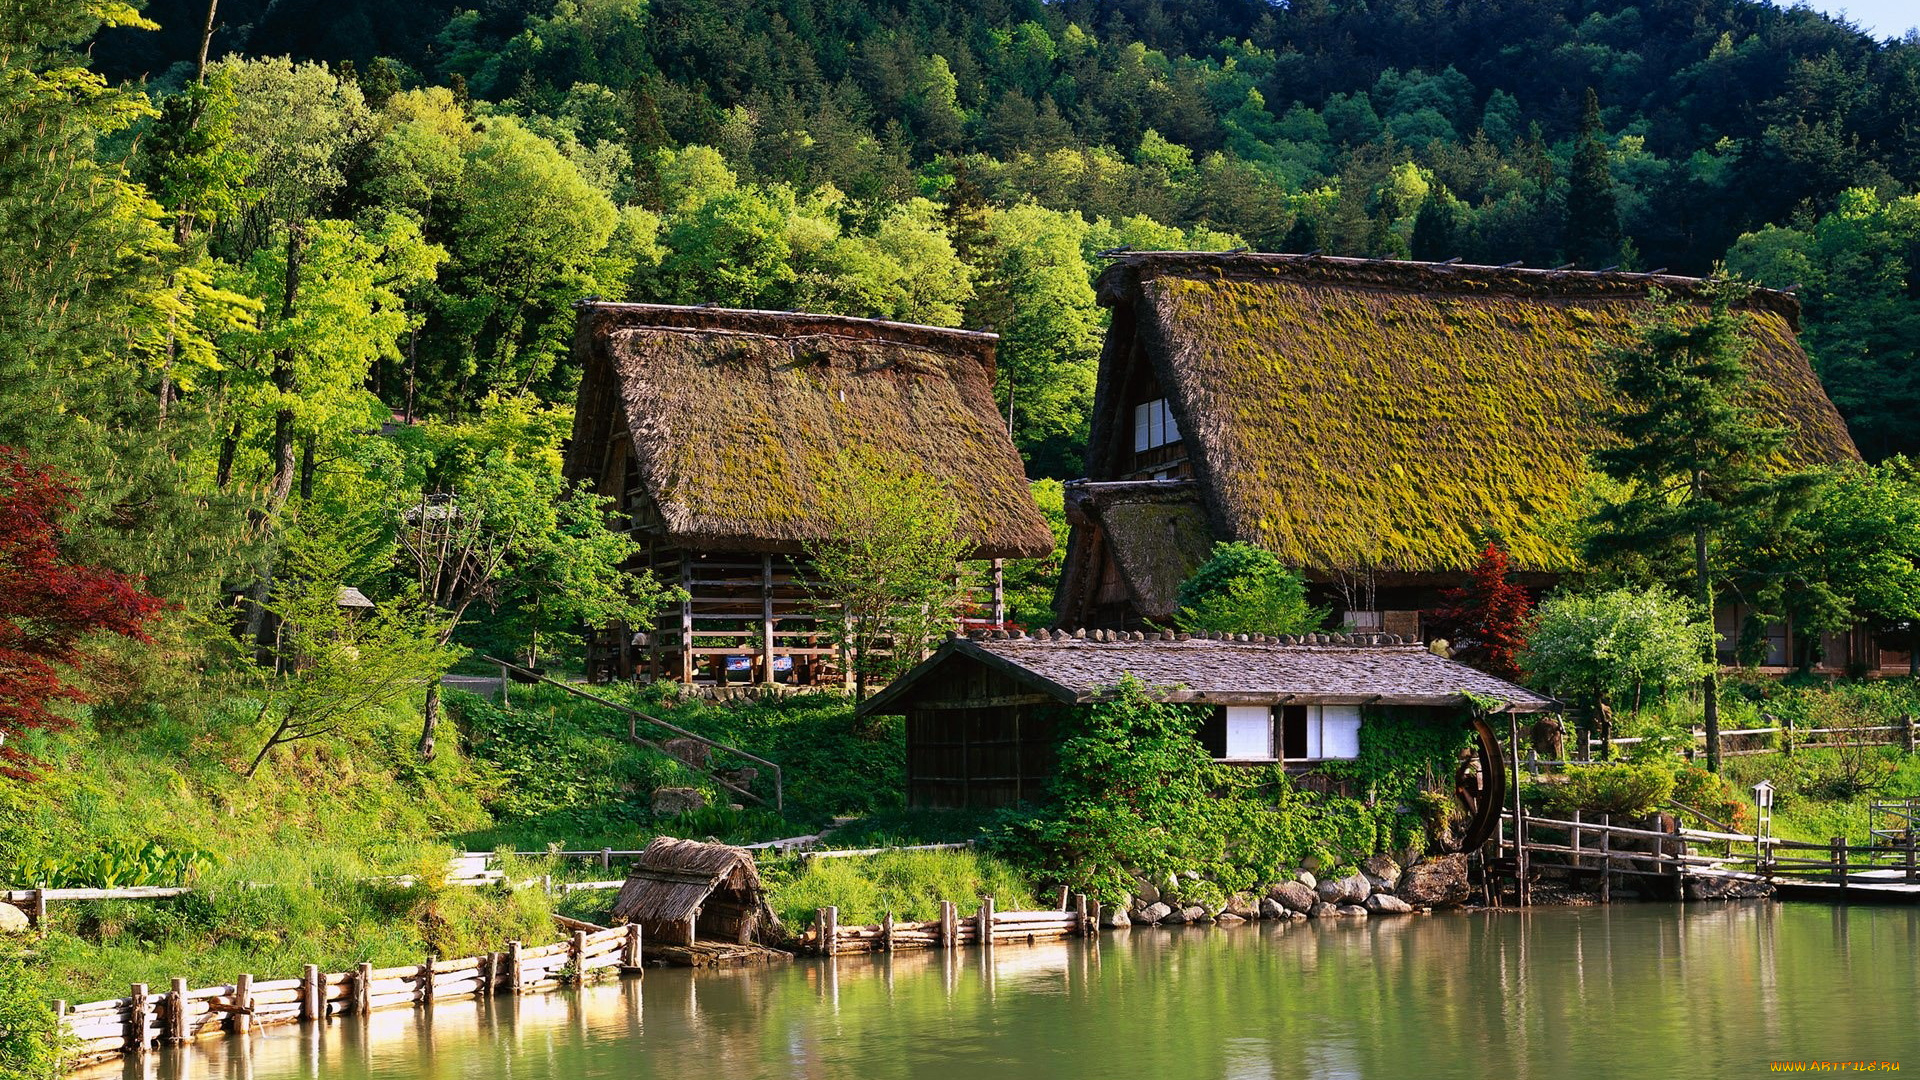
1492	793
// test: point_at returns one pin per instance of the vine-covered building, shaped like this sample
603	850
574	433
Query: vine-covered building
718	434
1374	423
983	714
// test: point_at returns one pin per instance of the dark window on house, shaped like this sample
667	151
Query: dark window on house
1153	425
1213	734
1293	732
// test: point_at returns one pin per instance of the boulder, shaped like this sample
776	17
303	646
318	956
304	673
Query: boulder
1272	909
692	751
1382	872
1310	863
1354	889
1293	896
1305	877
1322	911
1197	914
1148	892
1170	887
1115	918
1439	882
1227	918
1719	888
1190	875
1329	891
1242	906
668	801
1352	911
1152	913
1388	904
13	920
1176	916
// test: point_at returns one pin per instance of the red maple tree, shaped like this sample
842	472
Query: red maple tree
48	606
1489	616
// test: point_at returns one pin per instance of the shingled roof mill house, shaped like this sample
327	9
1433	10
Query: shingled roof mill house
717	431
982	711
1369	421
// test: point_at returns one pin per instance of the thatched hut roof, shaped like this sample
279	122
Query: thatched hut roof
1349	413
673	878
734	421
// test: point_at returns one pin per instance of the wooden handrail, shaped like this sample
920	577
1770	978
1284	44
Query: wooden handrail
633	714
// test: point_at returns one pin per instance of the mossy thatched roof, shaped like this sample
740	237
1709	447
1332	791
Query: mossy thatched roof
1348	413
738	420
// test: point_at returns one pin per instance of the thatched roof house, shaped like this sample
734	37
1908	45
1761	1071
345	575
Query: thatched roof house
1364	416
983	713
719	433
731	423
680	891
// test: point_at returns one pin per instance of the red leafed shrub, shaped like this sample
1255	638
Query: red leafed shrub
1489	616
48	605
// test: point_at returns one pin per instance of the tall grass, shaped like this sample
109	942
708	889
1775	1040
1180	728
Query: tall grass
909	884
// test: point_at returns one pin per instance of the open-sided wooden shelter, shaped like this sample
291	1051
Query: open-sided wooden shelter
1371	422
683	891
717	432
982	712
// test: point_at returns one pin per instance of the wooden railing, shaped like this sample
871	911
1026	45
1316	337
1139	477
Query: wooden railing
141	1020
952	929
635	717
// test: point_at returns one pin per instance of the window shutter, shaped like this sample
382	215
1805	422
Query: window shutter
1340	732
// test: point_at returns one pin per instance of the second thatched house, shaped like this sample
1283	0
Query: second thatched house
718	432
1371	422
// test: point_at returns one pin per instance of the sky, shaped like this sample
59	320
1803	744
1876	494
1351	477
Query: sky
1881	18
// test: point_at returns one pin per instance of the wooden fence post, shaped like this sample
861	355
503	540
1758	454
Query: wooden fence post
177	1012
426	979
137	1006
1062	905
606	858
313	1001
630	951
1093	914
1606	858
949	925
1906	730
886	933
577	954
242	1014
1080	913
363	988
1840	860
513	966
986	920
37	909
830	931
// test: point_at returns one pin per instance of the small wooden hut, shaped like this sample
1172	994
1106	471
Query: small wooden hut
717	434
683	891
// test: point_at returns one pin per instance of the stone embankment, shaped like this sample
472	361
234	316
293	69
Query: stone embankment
1380	887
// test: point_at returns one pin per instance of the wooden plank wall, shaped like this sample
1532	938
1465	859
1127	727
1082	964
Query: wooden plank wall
976	737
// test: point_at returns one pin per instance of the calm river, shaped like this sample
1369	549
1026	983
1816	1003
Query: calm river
1705	991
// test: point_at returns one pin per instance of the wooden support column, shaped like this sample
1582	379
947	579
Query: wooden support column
577	955
513	966
426	978
177	1013
829	922
137	1011
313	1000
1606	858
363	989
1520	889
999	592
1080	913
630	954
766	618
986	920
686	619
949	925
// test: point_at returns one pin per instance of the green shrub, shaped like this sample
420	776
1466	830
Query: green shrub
908	884
29	1032
1606	789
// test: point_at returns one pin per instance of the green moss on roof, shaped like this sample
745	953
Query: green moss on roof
1158	544
1342	424
738	420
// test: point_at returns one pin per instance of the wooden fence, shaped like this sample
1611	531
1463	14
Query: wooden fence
953	930
142	1020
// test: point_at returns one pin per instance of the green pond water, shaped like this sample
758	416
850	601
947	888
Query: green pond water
1562	993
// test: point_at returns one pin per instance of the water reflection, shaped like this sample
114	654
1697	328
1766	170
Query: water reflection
1549	993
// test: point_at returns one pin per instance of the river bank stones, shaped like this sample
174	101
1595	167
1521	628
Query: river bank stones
1388	904
1152	914
1438	882
1351	911
1382	872
1323	910
1293	896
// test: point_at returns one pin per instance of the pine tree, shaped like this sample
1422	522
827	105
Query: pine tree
1593	214
1695	459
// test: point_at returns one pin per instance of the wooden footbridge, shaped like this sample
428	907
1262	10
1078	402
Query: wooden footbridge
1668	854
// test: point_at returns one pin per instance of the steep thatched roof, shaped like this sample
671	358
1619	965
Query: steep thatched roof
735	421
1348	413
1156	533
1355	669
673	878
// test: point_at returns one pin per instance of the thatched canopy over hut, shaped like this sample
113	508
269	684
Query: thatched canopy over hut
1352	414
730	424
683	890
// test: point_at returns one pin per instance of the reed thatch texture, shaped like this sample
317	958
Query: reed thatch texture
738	420
1348	413
1157	534
675	879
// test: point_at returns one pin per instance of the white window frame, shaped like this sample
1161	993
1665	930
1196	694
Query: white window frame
1333	733
1254	723
1154	426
